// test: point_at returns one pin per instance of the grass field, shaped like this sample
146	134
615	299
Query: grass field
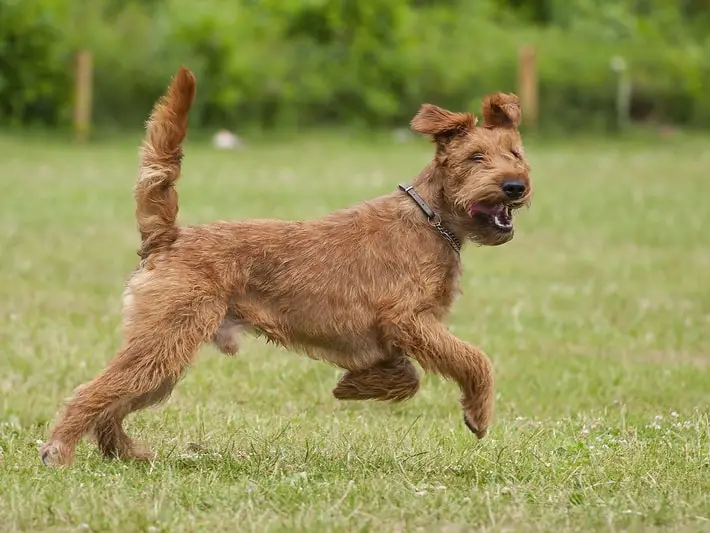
596	316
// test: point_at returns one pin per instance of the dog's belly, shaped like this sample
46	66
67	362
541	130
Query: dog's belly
352	353
349	343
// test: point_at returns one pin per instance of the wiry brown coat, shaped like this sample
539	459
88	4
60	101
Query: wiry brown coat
365	288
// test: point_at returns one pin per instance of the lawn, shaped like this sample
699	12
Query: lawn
596	317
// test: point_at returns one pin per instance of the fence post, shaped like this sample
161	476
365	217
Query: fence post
83	77
527	86
623	92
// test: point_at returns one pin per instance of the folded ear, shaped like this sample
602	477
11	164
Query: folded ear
501	110
441	124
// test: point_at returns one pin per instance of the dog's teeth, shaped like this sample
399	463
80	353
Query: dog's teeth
497	221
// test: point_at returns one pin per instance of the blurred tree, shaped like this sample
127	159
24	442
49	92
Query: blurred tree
277	63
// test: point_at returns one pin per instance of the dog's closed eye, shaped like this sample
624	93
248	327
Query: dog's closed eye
477	157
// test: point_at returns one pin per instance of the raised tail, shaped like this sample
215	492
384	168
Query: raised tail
160	163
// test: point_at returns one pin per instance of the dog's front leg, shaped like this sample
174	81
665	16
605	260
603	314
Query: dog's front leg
437	350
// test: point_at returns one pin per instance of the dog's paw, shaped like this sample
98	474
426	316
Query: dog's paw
140	452
55	453
344	391
480	433
132	451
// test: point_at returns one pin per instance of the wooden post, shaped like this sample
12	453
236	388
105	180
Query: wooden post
527	86
623	92
83	95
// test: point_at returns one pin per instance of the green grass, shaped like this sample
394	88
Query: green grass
596	316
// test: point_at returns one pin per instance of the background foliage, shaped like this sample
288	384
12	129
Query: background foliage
296	63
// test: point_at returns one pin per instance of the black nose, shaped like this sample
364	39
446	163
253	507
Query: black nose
514	189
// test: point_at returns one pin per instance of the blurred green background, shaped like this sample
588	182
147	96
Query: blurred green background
596	317
280	64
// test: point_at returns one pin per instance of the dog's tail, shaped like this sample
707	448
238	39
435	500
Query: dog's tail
160	163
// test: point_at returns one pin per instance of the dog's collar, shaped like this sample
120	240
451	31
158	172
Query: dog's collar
433	217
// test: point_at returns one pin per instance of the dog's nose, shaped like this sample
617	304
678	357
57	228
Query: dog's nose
514	189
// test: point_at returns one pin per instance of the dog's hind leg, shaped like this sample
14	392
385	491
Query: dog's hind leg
393	379
142	373
108	431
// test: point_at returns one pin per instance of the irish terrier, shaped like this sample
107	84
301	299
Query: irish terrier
365	288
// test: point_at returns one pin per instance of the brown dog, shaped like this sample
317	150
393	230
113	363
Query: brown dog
364	288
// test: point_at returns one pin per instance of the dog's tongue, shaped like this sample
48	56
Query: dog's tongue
486	209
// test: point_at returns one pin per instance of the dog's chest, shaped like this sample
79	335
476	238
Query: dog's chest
446	288
451	291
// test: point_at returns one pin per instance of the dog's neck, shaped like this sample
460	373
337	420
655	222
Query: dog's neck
430	186
433	217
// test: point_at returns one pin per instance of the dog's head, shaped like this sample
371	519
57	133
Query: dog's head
482	168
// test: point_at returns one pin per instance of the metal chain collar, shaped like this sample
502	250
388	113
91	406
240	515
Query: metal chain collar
432	217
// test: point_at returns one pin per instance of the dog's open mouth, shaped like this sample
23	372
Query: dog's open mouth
500	216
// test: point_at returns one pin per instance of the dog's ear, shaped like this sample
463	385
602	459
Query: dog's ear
441	124
501	110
